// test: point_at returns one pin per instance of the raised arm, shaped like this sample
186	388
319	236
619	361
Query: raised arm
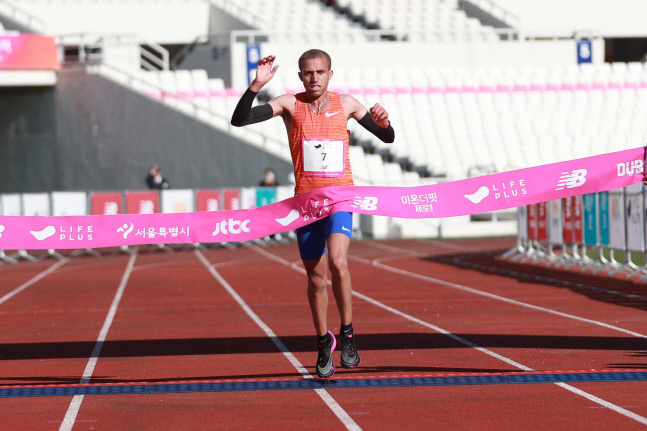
244	114
375	120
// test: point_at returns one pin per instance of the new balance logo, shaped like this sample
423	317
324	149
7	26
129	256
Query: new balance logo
576	178
366	203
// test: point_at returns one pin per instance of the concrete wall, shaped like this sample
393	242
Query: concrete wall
88	133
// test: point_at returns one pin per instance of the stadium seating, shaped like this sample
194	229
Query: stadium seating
613	18
426	15
508	118
161	21
463	120
287	15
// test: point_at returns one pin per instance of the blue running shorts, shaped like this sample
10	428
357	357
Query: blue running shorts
312	238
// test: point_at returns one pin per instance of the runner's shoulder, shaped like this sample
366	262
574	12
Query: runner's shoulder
350	104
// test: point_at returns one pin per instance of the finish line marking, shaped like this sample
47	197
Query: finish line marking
309	384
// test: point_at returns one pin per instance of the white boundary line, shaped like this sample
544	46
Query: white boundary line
494	270
566	386
37	278
75	404
343	416
388	268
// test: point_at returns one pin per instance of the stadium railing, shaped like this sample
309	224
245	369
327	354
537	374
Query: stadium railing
595	232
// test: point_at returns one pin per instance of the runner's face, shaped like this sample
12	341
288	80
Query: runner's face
315	76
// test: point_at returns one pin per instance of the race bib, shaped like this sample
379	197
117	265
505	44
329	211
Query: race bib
323	158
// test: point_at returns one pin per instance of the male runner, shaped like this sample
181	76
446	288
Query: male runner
314	120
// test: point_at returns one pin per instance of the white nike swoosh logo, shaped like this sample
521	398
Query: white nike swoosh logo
344	228
330	114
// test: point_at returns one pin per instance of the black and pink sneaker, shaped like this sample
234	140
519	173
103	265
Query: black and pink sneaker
349	356
325	367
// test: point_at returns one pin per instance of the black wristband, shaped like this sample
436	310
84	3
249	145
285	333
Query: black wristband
244	114
386	135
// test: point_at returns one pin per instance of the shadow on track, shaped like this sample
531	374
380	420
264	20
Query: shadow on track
597	287
259	345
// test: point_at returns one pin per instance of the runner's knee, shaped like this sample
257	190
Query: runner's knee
317	281
338	264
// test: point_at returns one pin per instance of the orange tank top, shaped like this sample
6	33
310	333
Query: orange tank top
319	146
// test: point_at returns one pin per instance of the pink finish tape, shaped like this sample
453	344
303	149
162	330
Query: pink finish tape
470	196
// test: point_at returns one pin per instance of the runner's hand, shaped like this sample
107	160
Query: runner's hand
379	115
264	72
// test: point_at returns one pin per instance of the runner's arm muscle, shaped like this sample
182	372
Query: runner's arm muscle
375	120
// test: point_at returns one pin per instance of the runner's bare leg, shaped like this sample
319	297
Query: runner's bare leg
338	244
316	270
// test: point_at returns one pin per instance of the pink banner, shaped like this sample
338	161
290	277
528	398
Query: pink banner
471	196
28	52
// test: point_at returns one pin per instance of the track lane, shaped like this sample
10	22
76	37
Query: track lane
194	331
382	352
45	333
619	409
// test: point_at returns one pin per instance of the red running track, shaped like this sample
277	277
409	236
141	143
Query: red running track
426	309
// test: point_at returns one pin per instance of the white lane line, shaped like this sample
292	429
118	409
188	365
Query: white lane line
75	405
547	280
505	272
394	270
37	278
343	416
604	403
438	243
566	386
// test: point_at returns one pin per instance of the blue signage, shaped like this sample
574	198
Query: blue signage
584	51
590	219
253	57
603	198
265	196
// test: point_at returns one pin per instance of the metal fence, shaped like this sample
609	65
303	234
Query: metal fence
595	232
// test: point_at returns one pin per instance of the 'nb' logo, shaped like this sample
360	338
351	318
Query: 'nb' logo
367	203
576	178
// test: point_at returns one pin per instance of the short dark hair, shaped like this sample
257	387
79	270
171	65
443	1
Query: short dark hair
312	54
